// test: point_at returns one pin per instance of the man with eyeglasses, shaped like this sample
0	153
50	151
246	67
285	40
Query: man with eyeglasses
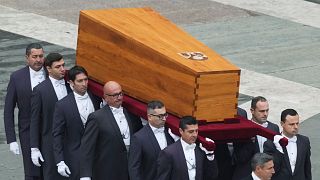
184	159
148	142
106	140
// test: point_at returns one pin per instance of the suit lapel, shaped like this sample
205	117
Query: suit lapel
181	158
128	120
114	124
299	150
168	137
198	162
286	159
96	104
75	111
69	90
153	139
50	89
256	145
27	80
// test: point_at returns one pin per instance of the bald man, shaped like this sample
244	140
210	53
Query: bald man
106	140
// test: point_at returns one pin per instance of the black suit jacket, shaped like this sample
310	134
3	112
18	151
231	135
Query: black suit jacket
144	152
67	131
243	152
282	166
241	112
248	178
172	164
103	152
19	94
224	157
43	102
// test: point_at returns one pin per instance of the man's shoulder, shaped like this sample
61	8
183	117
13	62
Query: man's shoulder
20	72
97	116
272	124
172	148
273	127
101	111
141	137
66	100
130	113
303	138
43	86
142	132
248	178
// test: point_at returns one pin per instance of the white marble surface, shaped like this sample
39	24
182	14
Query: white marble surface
299	11
38	27
281	94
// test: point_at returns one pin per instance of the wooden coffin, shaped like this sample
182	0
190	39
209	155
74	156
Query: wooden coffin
152	59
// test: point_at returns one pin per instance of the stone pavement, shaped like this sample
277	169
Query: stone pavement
275	43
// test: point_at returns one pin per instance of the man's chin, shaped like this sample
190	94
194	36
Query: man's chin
263	120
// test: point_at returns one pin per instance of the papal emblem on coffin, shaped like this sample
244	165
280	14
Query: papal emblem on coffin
152	58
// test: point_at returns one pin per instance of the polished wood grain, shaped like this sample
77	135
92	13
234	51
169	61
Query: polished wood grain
138	48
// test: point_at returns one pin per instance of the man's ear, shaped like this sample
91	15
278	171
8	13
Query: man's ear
281	123
258	168
251	110
48	68
71	83
180	131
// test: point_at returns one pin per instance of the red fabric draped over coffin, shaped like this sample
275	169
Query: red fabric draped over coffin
236	130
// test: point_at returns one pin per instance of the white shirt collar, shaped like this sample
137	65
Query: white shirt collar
157	130
186	146
254	176
33	72
36	77
265	124
56	82
116	110
189	153
293	139
79	97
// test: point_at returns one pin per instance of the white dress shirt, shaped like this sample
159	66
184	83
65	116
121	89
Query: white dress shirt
188	150
230	148
254	176
261	139
85	106
122	124
160	136
36	77
59	87
292	151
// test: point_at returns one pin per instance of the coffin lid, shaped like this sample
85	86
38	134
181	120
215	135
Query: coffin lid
148	28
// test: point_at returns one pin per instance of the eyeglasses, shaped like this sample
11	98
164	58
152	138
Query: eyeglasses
160	116
116	95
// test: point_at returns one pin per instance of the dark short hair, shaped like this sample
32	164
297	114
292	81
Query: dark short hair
52	57
154	104
287	112
75	70
255	100
32	46
259	159
187	120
